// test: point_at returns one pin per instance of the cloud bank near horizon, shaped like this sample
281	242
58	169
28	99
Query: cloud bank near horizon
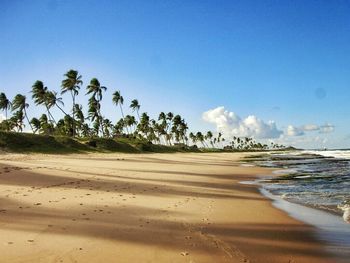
230	124
299	131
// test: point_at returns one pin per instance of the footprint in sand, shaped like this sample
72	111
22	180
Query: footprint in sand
184	253
30	240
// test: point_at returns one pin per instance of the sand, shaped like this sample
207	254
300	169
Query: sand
143	208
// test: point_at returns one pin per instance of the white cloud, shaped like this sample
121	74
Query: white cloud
230	124
294	131
298	131
310	127
327	128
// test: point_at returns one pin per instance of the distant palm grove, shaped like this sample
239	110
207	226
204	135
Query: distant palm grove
167	128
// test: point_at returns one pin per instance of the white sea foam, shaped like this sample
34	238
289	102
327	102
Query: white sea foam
332	153
346	212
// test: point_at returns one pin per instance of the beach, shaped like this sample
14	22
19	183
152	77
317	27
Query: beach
183	207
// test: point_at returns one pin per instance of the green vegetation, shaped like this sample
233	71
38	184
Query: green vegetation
89	131
39	143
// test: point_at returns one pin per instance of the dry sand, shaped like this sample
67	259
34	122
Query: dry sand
143	208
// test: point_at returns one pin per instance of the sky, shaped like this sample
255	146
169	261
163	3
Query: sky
274	70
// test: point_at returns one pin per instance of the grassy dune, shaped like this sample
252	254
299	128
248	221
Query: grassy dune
26	143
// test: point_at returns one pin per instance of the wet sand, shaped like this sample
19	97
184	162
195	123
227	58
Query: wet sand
143	208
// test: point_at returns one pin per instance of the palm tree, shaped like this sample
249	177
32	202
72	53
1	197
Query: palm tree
96	90
36	124
79	117
39	96
193	138
52	100
183	130
119	100
209	136
135	106
46	126
19	103
143	127
200	137
16	121
129	121
72	83
5	103
93	111
118	127
107	127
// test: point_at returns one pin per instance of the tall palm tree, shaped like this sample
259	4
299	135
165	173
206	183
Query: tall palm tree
19	103
39	92
135	105
200	137
193	138
143	127
119	100
72	84
129	121
96	91
5	103
93	111
209	136
79	117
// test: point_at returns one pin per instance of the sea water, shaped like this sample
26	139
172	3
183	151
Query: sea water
319	179
314	187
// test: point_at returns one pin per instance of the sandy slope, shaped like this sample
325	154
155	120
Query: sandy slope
143	208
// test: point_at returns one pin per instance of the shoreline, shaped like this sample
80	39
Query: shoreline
178	207
330	227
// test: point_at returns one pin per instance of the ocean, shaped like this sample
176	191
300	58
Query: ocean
314	187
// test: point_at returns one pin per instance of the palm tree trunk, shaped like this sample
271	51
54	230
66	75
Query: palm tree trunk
25	114
138	115
121	110
61	109
50	115
73	112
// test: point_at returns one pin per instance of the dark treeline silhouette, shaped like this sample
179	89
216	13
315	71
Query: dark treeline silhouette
167	128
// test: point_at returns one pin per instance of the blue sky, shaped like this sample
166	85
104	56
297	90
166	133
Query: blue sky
286	61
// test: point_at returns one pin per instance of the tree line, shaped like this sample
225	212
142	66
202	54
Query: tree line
167	128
